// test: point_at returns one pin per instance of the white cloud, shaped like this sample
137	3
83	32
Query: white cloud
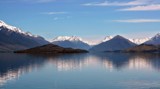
61	18
45	1
107	3
134	5
38	1
152	7
54	13
139	21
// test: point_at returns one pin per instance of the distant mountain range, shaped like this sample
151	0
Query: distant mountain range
117	43
12	38
139	41
136	41
71	42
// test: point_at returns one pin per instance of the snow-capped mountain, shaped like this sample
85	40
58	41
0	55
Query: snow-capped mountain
93	43
107	38
139	41
154	40
71	42
115	44
12	38
136	41
69	38
15	29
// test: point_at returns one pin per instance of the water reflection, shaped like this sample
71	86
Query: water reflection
14	65
114	60
120	61
145	61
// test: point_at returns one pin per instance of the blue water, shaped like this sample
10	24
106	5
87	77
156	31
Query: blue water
80	71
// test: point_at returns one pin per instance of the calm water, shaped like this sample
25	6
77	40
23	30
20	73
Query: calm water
80	71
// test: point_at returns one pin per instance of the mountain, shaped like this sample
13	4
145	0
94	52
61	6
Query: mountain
136	41
69	38
71	42
51	48
12	38
154	40
144	48
139	41
115	44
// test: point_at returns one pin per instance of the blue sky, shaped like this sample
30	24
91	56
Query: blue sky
90	19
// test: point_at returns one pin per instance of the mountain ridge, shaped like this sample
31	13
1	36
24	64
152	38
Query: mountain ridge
72	42
155	40
13	38
115	44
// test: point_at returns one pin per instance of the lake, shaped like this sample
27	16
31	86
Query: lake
80	71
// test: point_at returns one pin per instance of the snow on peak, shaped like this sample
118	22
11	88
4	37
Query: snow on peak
157	36
67	38
139	41
1	22
75	38
8	26
107	38
154	40
136	41
72	38
15	29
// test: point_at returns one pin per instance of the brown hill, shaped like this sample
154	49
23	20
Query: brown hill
144	48
51	48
